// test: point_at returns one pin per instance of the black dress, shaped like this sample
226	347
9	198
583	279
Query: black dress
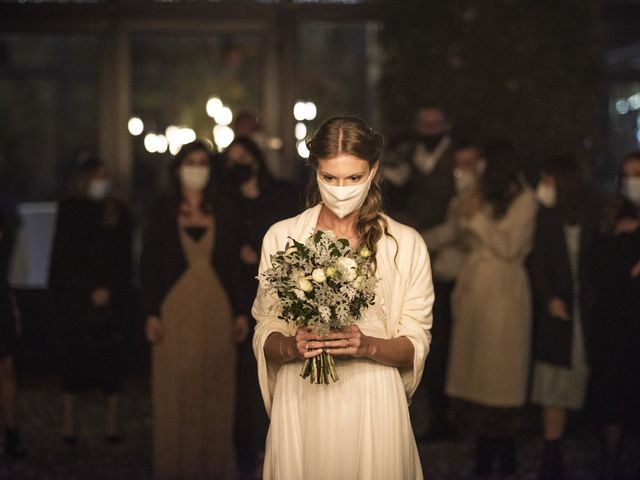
7	317
614	391
278	200
92	249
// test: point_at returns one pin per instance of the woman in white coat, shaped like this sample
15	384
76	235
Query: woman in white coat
357	427
491	309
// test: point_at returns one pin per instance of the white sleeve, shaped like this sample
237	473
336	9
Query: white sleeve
416	315
267	323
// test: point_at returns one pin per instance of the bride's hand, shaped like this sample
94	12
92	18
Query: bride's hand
350	341
307	343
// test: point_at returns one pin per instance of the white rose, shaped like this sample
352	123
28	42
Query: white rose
305	285
365	252
348	267
318	275
331	271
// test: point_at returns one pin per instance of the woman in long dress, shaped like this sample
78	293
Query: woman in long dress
564	295
357	427
491	309
261	201
191	291
613	397
90	276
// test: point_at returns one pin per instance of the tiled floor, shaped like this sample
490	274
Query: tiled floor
93	459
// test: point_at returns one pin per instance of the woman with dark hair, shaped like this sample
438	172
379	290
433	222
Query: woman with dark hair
358	427
261	201
614	390
564	296
191	291
90	276
491	330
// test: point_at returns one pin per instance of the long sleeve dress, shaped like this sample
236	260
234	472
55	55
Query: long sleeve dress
359	427
491	308
91	249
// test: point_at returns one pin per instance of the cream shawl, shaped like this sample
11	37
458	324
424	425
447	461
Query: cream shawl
405	279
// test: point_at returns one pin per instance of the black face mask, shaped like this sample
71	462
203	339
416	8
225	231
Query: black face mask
240	173
430	142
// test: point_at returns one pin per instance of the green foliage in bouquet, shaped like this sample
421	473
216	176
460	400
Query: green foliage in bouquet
322	283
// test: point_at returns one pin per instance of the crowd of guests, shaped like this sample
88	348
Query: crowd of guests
537	292
537	298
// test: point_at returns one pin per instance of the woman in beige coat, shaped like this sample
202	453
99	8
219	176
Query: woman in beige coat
491	309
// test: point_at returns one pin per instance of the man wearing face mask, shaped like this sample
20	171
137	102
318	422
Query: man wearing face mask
418	171
261	201
448	248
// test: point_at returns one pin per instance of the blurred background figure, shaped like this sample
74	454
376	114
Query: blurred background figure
419	184
8	319
90	276
448	247
490	340
614	392
564	298
192	287
418	171
261	201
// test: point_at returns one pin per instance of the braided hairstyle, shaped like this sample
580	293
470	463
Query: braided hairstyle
348	135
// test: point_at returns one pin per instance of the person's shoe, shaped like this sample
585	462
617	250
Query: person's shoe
552	467
507	462
12	446
485	453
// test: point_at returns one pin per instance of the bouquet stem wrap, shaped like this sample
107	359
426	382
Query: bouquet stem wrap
319	369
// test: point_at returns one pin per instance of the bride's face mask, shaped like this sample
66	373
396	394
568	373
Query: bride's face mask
344	183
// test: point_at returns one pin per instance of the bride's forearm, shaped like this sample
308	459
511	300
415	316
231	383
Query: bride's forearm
395	352
279	348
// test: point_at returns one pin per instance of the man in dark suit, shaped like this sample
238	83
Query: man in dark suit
418	171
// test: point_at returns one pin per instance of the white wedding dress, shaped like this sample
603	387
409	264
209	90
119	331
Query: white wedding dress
357	428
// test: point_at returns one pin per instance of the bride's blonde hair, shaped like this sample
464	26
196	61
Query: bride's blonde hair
348	135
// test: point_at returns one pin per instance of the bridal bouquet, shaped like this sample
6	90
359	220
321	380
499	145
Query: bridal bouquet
322	283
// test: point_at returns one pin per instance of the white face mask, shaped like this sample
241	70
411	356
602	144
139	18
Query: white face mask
546	195
465	181
344	200
631	189
99	189
194	177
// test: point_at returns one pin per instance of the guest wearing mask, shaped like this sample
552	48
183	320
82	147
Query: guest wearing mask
563	294
262	201
191	289
90	276
448	247
614	392
488	365
8	336
418	171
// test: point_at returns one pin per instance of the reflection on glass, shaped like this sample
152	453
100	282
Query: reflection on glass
48	110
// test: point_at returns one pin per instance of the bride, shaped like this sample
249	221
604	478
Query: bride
358	427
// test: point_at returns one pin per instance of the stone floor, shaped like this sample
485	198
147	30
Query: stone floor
93	459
